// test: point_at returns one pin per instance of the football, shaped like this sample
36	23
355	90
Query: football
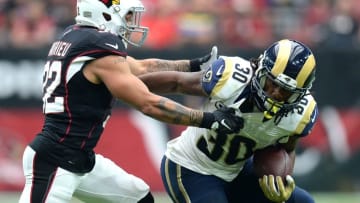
273	160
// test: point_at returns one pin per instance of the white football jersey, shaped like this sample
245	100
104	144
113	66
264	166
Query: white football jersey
227	81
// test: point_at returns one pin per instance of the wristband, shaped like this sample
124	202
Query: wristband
208	120
195	65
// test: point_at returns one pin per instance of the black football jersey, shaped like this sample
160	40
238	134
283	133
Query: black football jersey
75	109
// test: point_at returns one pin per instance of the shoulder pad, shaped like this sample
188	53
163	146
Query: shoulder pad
110	42
95	44
302	119
310	115
226	77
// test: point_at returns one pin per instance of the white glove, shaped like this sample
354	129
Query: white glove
212	58
275	190
204	62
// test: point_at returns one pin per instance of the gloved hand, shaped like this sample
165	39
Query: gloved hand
223	121
277	192
204	62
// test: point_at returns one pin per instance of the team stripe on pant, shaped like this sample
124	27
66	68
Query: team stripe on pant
174	182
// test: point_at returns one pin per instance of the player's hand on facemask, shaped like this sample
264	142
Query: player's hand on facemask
275	190
204	62
223	121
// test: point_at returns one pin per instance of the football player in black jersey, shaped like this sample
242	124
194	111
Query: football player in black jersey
88	68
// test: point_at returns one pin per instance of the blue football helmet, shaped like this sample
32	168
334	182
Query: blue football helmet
290	65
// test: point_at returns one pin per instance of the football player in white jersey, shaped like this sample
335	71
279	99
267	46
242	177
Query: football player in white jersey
272	95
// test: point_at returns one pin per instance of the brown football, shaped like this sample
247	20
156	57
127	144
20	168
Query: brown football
273	160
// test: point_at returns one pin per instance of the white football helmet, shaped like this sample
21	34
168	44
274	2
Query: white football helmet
120	17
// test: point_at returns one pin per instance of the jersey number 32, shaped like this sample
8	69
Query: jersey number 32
51	80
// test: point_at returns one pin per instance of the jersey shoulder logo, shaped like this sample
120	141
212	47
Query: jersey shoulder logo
220	70
207	76
314	116
115	46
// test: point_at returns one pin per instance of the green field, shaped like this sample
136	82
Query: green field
162	198
337	197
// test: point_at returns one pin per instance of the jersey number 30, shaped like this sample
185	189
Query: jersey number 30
231	149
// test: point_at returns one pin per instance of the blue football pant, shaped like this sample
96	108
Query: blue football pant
185	186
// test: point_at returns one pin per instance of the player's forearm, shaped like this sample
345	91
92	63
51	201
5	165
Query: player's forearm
174	82
169	111
154	65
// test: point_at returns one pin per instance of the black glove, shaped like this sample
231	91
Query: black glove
205	61
223	121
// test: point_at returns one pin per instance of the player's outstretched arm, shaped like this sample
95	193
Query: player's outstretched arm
115	73
143	66
174	82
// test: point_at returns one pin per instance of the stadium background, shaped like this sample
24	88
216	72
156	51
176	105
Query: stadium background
328	160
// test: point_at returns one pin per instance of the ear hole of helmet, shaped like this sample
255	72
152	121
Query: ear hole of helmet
107	17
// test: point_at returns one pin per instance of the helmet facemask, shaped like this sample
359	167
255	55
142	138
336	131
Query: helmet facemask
266	103
130	29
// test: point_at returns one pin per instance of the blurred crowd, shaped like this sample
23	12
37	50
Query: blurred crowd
245	24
